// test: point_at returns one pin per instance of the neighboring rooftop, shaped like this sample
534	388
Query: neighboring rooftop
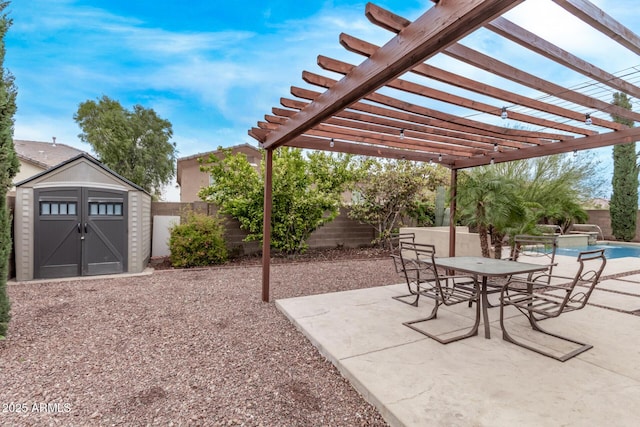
192	161
44	154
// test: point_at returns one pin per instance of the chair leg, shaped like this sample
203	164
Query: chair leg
534	324
411	293
472	332
413	303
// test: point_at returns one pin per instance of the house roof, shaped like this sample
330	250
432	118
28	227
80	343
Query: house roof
394	104
206	154
235	147
44	154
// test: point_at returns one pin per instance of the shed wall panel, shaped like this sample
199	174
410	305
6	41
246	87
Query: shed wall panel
139	231
23	237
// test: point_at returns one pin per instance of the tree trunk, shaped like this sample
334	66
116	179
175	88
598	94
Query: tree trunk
484	240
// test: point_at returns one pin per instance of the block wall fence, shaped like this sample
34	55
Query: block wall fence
342	231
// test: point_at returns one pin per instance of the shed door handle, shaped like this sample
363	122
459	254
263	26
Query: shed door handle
79	228
85	227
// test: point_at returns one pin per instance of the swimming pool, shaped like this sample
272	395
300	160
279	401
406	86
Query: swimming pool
611	250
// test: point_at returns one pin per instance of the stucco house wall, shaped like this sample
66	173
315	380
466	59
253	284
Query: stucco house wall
191	179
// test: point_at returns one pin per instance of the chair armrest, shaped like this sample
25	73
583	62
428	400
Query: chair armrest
539	282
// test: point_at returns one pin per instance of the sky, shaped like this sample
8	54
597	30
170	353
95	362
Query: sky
214	68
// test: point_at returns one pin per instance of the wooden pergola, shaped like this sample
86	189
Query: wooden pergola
357	115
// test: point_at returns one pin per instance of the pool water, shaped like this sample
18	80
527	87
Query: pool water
613	250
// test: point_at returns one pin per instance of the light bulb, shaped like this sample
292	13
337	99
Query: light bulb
331	143
587	120
504	114
401	133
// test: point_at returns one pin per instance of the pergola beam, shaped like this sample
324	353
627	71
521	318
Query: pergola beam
433	118
601	21
314	143
442	24
365	48
358	122
417	89
437	134
586	143
517	34
395	23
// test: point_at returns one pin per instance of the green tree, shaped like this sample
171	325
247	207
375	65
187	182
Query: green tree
487	199
391	189
623	207
511	198
9	166
554	187
135	144
306	193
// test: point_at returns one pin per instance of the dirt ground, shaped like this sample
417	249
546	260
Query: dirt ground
181	347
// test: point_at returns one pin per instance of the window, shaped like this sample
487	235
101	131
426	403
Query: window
105	209
58	208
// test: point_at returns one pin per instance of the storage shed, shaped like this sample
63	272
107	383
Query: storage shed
80	218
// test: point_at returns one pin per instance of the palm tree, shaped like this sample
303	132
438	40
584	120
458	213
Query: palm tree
488	200
511	198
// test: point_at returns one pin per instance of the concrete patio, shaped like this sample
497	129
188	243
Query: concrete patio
415	381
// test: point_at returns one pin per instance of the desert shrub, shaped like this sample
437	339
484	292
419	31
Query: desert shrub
198	242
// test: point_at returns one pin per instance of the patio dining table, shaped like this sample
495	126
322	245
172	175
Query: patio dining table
487	267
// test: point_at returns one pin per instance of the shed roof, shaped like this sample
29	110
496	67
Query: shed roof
82	157
394	104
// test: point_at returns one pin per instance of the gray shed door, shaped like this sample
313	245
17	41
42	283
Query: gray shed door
79	232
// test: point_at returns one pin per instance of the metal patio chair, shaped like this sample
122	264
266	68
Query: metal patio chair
541	247
548	296
420	270
394	244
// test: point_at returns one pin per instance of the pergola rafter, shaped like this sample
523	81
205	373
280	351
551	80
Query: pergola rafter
378	109
362	47
439	95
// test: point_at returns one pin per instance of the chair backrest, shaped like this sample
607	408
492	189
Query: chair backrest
547	229
420	267
534	246
592	264
417	257
396	238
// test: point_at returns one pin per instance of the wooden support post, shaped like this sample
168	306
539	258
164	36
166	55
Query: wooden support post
452	213
266	226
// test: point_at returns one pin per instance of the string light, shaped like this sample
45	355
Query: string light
575	153
504	114
495	147
331	143
492	161
401	133
587	120
439	157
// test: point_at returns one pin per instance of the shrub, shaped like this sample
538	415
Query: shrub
198	242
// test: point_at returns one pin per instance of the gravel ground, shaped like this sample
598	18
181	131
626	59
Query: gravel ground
178	347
